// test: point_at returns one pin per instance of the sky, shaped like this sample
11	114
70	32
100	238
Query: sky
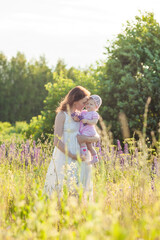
73	30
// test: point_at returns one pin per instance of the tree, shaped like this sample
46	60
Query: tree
61	67
22	90
132	74
5	88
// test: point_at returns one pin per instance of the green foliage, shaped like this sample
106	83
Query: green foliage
9	132
131	75
22	88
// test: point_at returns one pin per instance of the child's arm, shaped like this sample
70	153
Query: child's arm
76	119
90	122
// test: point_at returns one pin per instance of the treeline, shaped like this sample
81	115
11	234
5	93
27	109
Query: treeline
22	86
130	74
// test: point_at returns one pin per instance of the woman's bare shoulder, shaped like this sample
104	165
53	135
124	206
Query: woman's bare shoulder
60	116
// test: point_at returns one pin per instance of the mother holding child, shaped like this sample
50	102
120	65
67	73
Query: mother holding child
71	164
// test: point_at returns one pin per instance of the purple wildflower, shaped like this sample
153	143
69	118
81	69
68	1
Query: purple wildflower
126	148
119	152
119	147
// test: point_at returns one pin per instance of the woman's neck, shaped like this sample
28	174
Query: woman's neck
72	110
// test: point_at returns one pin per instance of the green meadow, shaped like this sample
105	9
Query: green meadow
126	196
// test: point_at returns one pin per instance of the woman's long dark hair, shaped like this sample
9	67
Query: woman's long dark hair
74	95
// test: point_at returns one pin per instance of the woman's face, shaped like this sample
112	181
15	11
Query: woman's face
79	105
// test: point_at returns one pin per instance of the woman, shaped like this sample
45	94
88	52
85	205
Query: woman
64	167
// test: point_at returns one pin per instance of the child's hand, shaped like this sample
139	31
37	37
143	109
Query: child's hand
76	119
84	120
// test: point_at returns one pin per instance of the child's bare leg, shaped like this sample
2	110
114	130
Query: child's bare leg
91	149
93	153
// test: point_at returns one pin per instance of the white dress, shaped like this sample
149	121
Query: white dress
64	170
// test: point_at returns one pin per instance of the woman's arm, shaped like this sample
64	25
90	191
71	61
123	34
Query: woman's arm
58	131
83	138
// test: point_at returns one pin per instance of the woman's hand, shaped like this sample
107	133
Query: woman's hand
83	158
82	139
74	157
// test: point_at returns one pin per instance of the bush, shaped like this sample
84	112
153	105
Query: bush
8	131
131	75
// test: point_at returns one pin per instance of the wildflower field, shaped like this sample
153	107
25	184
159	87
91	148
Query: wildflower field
126	185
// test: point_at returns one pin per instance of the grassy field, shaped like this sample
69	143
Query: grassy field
126	201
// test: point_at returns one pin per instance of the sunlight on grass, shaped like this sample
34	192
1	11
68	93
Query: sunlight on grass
126	193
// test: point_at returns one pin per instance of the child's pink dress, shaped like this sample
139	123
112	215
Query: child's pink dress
87	129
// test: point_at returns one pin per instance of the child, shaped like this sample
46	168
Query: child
88	119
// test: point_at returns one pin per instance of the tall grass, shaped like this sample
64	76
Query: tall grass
126	201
